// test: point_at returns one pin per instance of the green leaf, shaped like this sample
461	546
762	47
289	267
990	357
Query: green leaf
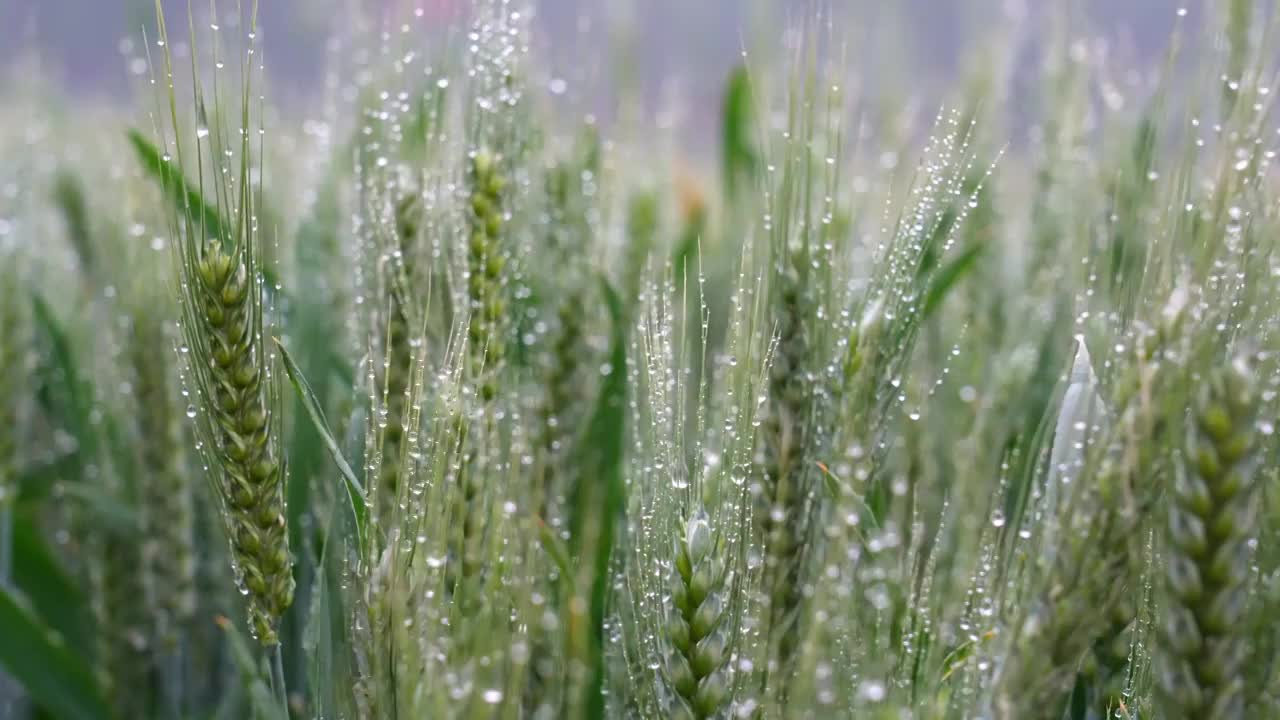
598	498
737	146
324	630
261	699
687	249
182	194
37	480
947	277
555	548
39	659
68	195
108	510
188	201
66	379
39	576
355	491
314	331
66	395
962	652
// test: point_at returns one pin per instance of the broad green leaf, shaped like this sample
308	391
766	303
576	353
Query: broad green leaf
39	576
66	395
56	678
106	510
947	277
737	145
75	407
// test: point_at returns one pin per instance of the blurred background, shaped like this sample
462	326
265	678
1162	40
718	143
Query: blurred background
666	46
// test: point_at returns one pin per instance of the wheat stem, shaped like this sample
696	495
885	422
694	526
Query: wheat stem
277	679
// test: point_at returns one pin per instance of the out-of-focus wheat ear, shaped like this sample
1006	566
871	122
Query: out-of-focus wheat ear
486	350
1212	516
166	512
1144	391
399	355
698	632
1089	576
124	637
485	263
1107	665
785	476
564	401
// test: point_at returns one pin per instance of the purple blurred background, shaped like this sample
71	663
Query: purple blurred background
695	41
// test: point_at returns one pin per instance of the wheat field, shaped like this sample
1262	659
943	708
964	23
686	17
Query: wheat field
440	395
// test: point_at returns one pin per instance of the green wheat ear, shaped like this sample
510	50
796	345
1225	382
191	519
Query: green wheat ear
220	267
224	330
1211	518
697	628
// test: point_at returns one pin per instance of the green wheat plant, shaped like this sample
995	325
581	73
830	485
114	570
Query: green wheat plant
477	386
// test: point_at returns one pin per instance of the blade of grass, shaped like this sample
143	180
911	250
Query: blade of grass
947	277
598	499
68	195
52	674
355	491
737	146
39	576
109	511
78	394
261	699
